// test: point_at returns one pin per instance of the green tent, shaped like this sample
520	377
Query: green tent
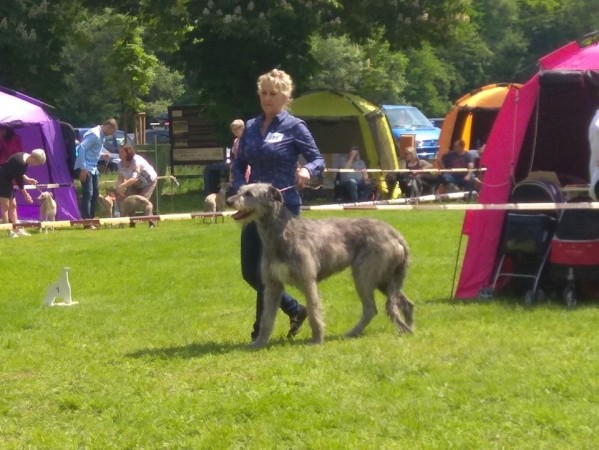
338	120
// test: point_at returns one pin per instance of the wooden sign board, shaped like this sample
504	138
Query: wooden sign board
193	137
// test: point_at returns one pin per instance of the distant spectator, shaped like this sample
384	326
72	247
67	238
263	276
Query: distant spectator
237	127
458	158
135	175
86	165
415	184
354	186
10	143
11	173
594	156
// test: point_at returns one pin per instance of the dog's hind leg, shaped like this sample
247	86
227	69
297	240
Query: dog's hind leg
272	300
407	308
365	290
314	312
393	306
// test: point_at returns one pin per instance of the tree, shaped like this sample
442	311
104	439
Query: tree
32	34
430	81
115	72
371	70
232	43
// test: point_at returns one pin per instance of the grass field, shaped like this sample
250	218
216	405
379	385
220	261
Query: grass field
155	354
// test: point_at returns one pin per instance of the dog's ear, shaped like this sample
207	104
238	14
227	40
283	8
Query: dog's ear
275	193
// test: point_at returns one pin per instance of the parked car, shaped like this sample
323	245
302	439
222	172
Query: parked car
109	158
437	121
405	119
158	136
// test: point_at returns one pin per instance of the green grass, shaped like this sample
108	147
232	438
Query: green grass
155	354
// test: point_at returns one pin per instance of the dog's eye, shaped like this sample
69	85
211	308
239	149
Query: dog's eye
248	194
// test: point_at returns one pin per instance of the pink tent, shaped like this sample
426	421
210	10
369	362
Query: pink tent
541	126
37	129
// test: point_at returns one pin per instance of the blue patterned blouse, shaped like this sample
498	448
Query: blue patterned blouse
273	158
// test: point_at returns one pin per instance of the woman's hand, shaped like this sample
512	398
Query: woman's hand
83	173
302	177
28	180
26	196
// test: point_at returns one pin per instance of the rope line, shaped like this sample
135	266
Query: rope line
431	170
385	205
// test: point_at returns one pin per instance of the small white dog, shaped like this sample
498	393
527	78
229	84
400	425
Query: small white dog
47	208
216	202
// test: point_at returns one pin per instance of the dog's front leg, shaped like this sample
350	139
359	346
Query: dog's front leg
314	312
273	290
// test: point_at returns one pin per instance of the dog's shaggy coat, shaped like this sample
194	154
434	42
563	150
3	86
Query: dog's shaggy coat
302	252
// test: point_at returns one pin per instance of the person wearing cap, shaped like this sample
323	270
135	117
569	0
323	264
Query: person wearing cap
354	186
13	171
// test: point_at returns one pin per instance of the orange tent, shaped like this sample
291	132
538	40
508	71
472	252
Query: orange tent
472	117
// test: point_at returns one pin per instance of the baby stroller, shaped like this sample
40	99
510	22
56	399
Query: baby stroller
575	251
527	235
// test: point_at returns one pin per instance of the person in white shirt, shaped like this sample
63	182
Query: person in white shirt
594	158
135	176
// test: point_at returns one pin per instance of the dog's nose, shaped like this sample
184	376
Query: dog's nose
229	201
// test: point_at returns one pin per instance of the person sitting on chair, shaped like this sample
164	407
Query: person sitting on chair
354	186
415	184
458	158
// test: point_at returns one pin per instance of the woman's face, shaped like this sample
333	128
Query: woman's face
123	154
237	132
271	100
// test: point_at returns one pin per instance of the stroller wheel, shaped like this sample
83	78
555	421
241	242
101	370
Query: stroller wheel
540	296
485	293
529	297
569	297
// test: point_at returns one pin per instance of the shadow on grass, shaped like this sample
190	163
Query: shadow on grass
200	349
513	302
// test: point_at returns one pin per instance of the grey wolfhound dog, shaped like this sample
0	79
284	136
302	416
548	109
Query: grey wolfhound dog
302	252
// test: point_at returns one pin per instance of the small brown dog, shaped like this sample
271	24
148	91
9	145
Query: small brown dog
216	202
107	202
133	203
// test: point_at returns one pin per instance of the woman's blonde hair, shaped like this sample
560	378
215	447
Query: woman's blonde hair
39	155
280	80
410	151
236	124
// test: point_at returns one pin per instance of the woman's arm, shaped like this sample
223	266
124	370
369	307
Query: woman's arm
128	182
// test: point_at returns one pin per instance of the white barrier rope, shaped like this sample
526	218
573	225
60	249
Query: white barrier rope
114	220
457	206
385	205
430	170
47	186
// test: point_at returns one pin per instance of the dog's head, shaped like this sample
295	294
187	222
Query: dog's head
44	196
255	200
107	203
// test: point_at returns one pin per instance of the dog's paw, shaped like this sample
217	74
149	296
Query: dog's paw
257	344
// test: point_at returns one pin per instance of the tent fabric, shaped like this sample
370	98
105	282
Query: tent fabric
338	120
37	129
541	126
472	116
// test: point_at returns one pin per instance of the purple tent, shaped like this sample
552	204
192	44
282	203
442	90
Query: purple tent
37	129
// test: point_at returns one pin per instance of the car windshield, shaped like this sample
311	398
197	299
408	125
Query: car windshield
407	118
